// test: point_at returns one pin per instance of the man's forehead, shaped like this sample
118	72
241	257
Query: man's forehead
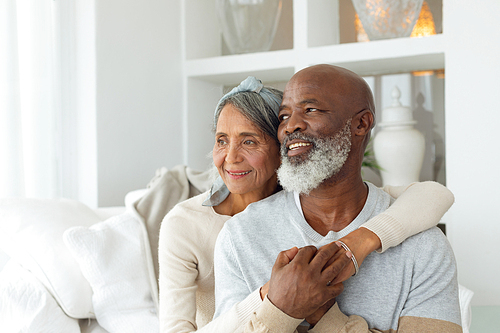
306	89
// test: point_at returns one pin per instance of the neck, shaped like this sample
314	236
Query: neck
335	203
233	204
236	203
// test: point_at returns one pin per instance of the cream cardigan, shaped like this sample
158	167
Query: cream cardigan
186	255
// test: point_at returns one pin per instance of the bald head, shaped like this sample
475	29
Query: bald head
350	91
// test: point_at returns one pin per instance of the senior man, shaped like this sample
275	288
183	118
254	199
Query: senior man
325	121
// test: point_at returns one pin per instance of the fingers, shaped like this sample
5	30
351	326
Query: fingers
284	257
334	269
324	255
291	253
305	254
336	289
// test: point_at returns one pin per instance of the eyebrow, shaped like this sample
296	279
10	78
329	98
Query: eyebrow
241	134
309	101
303	102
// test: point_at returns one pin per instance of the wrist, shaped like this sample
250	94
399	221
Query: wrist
371	240
264	290
362	242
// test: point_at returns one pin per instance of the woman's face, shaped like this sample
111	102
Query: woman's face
245	157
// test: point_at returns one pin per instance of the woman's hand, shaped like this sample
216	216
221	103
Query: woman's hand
361	242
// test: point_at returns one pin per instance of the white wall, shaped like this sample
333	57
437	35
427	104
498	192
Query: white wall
138	93
471	99
85	161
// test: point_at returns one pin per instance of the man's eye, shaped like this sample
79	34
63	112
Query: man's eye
283	117
249	142
311	110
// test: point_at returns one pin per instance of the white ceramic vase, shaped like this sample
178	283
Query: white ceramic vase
398	147
248	25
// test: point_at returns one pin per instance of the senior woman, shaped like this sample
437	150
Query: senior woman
246	154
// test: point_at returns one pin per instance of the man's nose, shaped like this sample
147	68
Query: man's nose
295	123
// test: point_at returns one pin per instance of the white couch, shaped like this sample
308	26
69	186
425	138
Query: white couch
70	263
64	265
74	269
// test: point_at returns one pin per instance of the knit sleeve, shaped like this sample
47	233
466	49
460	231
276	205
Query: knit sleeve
177	274
335	321
182	247
268	318
418	207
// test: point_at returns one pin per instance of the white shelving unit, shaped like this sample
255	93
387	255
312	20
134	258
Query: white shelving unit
207	71
468	49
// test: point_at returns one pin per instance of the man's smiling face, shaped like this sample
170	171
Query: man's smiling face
314	131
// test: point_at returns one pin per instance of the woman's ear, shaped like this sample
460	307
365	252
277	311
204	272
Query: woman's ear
363	122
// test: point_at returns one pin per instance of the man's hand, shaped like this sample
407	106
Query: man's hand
316	316
299	287
290	254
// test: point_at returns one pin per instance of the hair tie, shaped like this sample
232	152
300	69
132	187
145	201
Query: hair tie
252	84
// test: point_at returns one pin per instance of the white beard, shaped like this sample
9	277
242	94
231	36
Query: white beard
325	159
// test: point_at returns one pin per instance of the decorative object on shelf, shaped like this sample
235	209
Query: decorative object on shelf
383	19
399	148
424	27
425	24
361	35
369	160
248	25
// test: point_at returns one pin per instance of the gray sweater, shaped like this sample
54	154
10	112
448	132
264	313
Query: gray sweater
415	279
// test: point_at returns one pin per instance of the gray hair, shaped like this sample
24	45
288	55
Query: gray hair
255	108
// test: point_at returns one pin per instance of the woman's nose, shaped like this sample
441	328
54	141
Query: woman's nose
233	154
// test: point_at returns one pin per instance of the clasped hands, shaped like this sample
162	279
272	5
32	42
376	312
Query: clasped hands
305	282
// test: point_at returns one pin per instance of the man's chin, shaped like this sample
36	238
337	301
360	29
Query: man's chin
297	160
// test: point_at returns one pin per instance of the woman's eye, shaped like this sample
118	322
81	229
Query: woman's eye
249	142
221	142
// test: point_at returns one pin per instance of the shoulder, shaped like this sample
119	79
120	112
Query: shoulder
273	202
378	197
431	251
254	219
190	218
432	237
259	213
193	210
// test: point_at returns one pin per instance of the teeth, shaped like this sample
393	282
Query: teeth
239	173
297	145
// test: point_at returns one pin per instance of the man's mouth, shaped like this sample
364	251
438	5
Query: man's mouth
297	145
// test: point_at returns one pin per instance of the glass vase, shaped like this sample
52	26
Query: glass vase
248	25
383	19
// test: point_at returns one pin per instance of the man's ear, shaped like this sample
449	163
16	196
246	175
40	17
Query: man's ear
363	122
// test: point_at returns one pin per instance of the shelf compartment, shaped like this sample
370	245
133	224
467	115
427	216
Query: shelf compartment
378	57
388	56
231	69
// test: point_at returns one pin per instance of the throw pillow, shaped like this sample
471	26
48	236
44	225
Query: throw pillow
31	233
115	257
